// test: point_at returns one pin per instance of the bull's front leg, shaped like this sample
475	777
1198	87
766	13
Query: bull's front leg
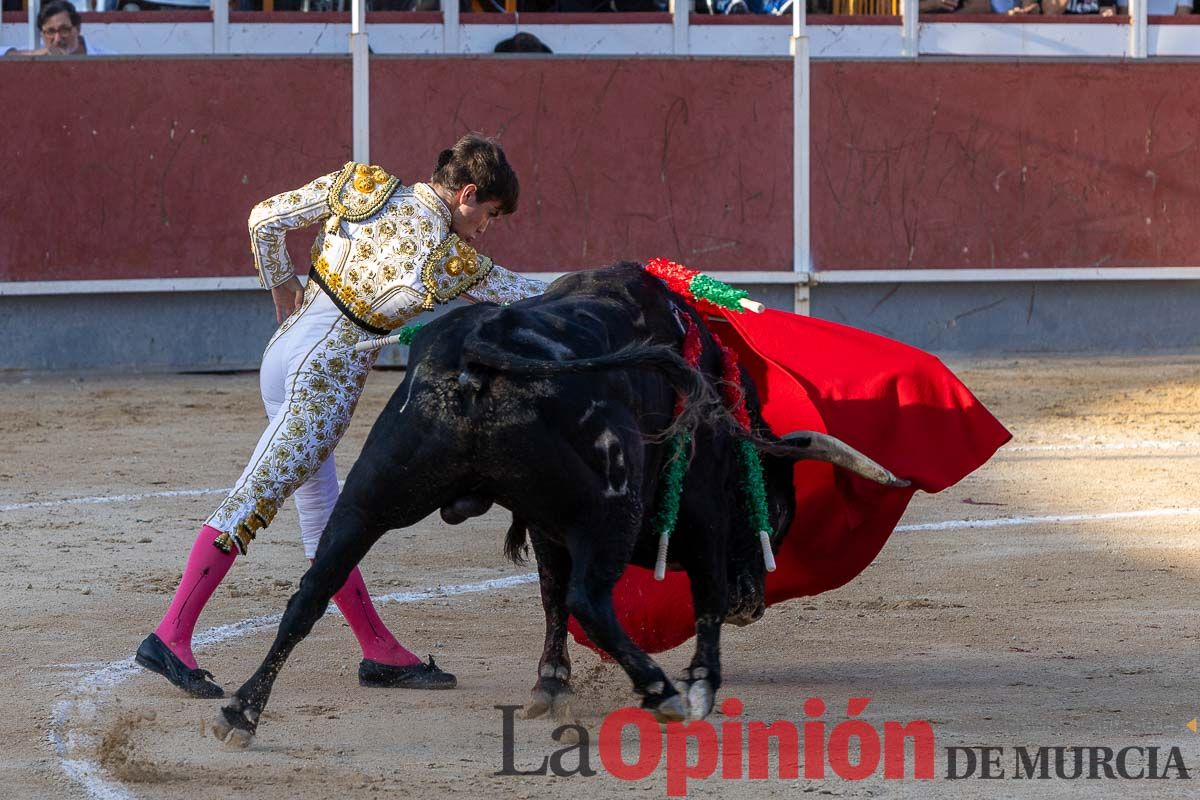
706	564
596	565
552	692
344	544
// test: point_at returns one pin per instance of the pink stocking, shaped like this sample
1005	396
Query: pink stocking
377	642
206	568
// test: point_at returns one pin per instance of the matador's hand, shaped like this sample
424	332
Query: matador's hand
287	296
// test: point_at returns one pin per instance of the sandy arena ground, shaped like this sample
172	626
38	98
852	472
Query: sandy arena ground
1035	632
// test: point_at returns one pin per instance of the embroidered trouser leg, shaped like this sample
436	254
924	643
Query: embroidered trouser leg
311	380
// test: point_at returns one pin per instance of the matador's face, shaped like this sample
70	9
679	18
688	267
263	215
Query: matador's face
469	217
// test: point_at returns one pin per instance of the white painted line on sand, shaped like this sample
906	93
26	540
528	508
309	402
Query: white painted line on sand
1008	522
1068	447
111	498
94	689
118	498
1100	447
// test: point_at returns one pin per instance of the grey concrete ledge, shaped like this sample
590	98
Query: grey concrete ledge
1075	317
226	330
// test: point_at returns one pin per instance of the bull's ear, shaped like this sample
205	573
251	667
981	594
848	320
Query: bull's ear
814	446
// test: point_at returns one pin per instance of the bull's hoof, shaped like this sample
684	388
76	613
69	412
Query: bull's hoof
539	703
543	699
671	709
235	724
560	707
700	699
233	737
569	736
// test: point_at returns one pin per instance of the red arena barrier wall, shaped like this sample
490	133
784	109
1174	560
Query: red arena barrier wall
147	168
980	165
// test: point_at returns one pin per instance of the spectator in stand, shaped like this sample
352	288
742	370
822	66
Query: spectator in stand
569	6
954	6
1014	7
523	43
1162	8
1048	7
60	25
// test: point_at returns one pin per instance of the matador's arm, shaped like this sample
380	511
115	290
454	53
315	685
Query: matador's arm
271	219
503	286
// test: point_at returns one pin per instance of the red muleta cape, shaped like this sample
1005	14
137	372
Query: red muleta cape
897	404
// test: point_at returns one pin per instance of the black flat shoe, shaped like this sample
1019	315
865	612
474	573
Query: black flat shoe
154	655
417	676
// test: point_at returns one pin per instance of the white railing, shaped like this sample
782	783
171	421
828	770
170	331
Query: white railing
676	34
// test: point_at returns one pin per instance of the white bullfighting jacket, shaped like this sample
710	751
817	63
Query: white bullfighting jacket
384	254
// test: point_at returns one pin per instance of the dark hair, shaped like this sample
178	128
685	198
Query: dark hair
523	43
479	160
57	7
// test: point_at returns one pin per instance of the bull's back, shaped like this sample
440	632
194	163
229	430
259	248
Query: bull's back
492	412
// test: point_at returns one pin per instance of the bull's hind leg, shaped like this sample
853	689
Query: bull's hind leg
552	691
594	572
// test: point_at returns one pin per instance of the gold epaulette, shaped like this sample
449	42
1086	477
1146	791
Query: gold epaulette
369	189
452	268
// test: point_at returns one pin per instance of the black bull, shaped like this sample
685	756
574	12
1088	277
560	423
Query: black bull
560	408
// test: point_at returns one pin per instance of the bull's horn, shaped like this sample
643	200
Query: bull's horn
823	447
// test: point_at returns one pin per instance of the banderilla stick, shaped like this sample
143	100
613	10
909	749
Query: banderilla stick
377	343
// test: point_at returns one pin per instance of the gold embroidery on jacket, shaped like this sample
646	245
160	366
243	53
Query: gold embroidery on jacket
373	187
434	203
452	268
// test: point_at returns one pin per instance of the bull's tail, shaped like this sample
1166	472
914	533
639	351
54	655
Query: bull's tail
516	542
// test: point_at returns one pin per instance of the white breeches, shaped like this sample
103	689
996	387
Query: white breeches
311	380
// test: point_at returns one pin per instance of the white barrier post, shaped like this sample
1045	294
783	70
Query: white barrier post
451	27
220	29
34	8
360	78
910	31
679	27
1139	29
801	85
